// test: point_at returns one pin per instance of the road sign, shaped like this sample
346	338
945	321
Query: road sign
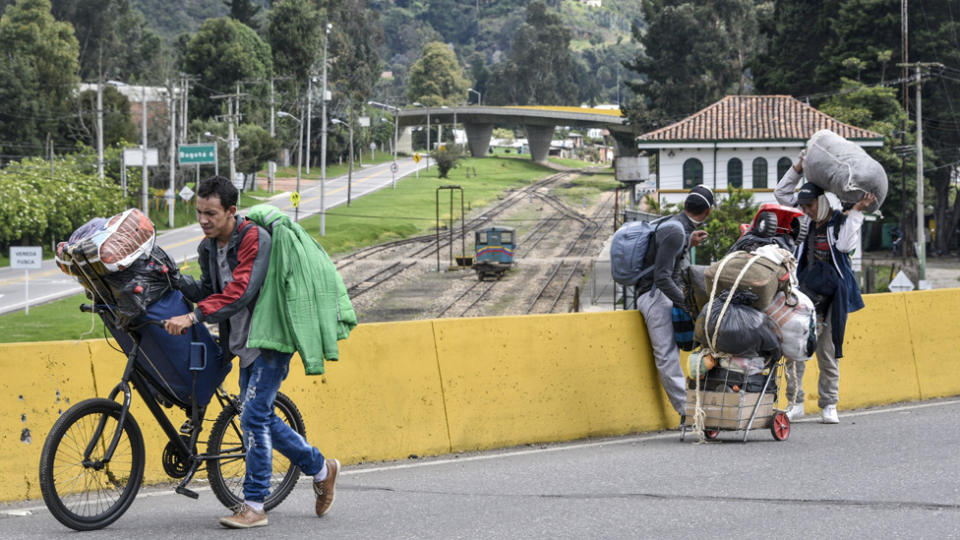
416	157
394	168
186	193
364	121
26	257
196	154
295	199
133	157
901	283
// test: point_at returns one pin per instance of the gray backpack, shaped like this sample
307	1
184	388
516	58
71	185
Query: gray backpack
628	250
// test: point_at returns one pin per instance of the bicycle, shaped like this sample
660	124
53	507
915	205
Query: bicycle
93	461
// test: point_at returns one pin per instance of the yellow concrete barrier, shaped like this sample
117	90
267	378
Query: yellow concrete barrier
432	387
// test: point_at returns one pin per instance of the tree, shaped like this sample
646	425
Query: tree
693	54
243	11
38	73
802	28
114	38
355	40
222	53
540	69
118	125
723	225
437	78
256	148
295	34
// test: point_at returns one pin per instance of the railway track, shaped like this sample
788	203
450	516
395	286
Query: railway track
558	279
423	246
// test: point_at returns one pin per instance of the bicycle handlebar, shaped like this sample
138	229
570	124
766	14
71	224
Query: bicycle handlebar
100	308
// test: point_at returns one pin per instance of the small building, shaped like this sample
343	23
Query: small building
747	142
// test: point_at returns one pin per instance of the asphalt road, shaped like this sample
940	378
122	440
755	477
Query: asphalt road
49	283
882	473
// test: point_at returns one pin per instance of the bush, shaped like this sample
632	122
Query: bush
446	156
35	207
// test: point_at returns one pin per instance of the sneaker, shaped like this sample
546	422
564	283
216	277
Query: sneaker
795	411
829	415
244	518
325	489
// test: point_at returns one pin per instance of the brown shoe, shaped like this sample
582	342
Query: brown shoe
244	518
324	489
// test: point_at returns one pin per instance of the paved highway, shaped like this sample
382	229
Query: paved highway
883	473
49	283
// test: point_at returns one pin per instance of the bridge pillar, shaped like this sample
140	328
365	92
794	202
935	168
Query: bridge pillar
405	142
626	144
539	137
478	138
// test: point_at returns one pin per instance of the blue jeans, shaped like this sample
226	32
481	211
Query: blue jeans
263	430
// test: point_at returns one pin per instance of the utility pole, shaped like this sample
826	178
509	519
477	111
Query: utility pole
310	108
271	165
233	100
921	233
323	138
145	202
100	126
921	246
172	90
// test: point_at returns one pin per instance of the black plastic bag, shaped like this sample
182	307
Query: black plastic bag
744	331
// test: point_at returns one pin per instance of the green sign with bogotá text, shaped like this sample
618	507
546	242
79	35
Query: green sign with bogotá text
195	154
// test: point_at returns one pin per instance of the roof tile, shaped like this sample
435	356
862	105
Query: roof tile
749	118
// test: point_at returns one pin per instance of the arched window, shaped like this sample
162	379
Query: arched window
735	173
783	164
759	173
692	173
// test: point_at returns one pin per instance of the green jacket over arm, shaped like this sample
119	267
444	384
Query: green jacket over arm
303	305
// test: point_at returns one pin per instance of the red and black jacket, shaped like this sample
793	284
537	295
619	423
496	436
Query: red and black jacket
248	255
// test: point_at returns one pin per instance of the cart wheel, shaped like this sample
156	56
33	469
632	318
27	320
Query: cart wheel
711	433
780	426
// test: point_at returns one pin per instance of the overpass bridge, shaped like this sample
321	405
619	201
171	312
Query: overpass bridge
537	121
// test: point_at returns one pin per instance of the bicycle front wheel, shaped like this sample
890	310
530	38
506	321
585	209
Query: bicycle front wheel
88	494
227	470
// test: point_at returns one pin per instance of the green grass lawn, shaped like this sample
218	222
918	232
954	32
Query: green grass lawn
411	209
380	216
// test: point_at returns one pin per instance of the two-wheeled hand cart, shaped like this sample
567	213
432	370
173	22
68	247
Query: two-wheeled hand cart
733	401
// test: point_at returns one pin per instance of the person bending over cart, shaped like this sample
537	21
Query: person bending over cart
233	260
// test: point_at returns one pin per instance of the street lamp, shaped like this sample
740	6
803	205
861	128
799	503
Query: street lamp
350	167
323	138
216	162
396	123
469	90
284	114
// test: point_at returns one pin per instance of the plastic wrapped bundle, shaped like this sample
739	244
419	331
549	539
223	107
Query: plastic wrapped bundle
110	247
797	320
843	168
742	330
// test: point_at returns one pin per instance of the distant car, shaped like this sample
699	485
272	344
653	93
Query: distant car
494	251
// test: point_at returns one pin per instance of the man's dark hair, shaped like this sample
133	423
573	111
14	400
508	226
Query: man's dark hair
695	205
221	187
698	200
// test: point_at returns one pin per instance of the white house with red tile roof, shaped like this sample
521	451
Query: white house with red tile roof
743	141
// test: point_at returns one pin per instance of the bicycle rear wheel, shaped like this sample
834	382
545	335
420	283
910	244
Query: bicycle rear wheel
91	494
226	472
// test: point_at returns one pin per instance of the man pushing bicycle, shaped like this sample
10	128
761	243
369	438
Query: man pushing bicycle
234	258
